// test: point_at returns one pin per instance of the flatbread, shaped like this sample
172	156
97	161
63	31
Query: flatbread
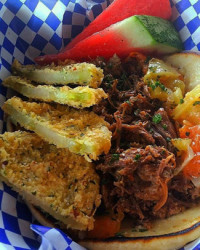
166	234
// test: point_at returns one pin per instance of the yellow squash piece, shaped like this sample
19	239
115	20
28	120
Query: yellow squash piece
85	74
62	184
82	132
79	97
189	109
157	69
182	144
165	82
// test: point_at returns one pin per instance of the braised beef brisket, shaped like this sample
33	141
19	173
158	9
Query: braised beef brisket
138	176
138	173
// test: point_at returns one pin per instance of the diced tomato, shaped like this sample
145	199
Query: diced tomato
192	133
184	132
192	169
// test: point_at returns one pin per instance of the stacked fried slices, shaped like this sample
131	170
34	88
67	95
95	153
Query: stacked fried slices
52	167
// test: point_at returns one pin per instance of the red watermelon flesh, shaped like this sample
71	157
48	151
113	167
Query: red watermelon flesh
121	9
105	44
146	34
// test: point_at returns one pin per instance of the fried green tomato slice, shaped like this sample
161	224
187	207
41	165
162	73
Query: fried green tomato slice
79	97
81	131
61	183
85	74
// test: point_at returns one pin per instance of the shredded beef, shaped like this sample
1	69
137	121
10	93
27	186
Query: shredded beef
129	108
184	189
171	207
138	173
137	180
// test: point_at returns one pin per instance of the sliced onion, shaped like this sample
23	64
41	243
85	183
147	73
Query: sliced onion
195	181
190	156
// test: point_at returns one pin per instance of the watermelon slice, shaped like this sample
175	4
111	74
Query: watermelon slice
121	9
145	34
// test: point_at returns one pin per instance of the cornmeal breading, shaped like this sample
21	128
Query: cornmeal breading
79	73
61	183
79	97
81	131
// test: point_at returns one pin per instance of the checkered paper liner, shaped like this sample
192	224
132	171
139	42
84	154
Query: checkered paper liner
29	28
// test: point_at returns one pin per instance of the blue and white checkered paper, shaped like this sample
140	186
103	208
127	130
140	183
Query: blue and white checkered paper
29	28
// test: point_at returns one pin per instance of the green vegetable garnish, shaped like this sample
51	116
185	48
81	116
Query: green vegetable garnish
157	118
196	103
156	85
119	234
164	126
137	157
115	157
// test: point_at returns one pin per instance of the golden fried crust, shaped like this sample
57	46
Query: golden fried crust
85	74
82	132
79	97
61	183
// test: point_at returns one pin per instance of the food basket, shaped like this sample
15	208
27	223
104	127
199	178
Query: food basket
29	28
